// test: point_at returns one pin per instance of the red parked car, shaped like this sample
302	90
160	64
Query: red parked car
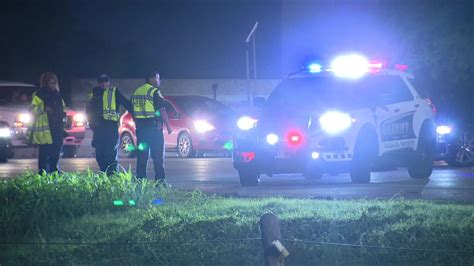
200	124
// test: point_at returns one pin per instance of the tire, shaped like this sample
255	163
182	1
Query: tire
126	139
461	154
249	178
3	159
69	151
421	165
313	173
185	146
365	154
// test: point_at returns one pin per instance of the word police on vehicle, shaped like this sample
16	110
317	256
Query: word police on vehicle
350	115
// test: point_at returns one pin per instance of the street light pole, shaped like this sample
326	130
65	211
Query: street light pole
247	41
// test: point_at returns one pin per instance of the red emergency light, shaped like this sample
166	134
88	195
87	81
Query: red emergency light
401	67
295	138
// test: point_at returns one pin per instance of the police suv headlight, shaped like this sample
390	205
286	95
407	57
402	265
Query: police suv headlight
202	126
5	132
272	139
335	122
246	123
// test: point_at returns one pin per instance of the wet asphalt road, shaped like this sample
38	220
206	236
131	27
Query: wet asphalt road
216	175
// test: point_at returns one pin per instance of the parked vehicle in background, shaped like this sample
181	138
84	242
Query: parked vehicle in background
455	142
6	149
200	125
15	99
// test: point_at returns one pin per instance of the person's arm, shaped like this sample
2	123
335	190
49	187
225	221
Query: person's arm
123	101
160	105
91	110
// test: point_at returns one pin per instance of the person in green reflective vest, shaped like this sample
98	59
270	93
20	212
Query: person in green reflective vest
149	115
47	131
103	114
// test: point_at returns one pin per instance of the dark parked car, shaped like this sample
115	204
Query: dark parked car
455	143
200	124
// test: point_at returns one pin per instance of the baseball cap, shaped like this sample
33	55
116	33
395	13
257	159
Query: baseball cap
103	78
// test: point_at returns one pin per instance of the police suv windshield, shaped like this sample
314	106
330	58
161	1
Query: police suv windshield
309	94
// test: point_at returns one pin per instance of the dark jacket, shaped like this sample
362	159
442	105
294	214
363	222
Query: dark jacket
53	101
95	105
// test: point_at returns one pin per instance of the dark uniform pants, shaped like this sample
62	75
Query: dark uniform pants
150	138
48	156
106	144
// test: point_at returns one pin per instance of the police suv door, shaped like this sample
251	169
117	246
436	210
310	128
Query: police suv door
394	114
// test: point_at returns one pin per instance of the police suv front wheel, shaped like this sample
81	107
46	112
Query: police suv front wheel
249	177
313	173
365	153
421	165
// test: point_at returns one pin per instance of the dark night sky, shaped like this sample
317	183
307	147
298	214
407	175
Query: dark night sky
183	39
205	38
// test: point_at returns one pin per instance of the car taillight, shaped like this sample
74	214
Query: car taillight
78	120
245	156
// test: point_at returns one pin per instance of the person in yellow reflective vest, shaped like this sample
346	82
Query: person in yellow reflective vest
47	130
103	113
149	115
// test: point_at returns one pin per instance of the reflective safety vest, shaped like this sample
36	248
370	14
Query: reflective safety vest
109	106
39	133
142	101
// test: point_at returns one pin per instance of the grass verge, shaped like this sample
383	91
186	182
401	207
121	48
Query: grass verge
44	212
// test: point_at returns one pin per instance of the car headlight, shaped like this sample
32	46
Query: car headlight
246	123
202	126
443	130
79	118
5	132
24	118
335	122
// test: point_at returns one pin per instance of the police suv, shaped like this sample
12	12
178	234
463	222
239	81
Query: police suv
352	115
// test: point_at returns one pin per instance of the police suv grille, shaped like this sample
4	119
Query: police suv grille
332	144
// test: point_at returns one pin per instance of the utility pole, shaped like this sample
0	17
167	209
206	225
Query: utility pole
252	35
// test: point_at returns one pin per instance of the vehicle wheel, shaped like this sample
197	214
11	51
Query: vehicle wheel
462	152
313	173
421	165
249	178
365	153
185	146
126	140
3	159
69	151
